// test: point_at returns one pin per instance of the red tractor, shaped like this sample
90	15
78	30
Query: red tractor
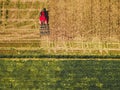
43	19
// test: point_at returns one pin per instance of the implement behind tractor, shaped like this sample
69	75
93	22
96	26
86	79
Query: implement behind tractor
44	29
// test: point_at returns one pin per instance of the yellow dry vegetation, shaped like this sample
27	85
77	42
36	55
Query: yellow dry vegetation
85	20
76	26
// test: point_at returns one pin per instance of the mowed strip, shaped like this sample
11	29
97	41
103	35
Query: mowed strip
37	46
19	34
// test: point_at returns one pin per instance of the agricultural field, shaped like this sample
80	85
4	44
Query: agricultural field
82	51
93	33
59	75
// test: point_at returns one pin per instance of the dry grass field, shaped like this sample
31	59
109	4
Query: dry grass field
76	26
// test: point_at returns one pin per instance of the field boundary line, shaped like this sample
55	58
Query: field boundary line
61	56
53	59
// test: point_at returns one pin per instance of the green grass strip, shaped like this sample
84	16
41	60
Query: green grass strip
59	75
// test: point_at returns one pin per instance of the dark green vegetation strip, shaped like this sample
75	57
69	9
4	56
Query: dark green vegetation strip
63	56
59	75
